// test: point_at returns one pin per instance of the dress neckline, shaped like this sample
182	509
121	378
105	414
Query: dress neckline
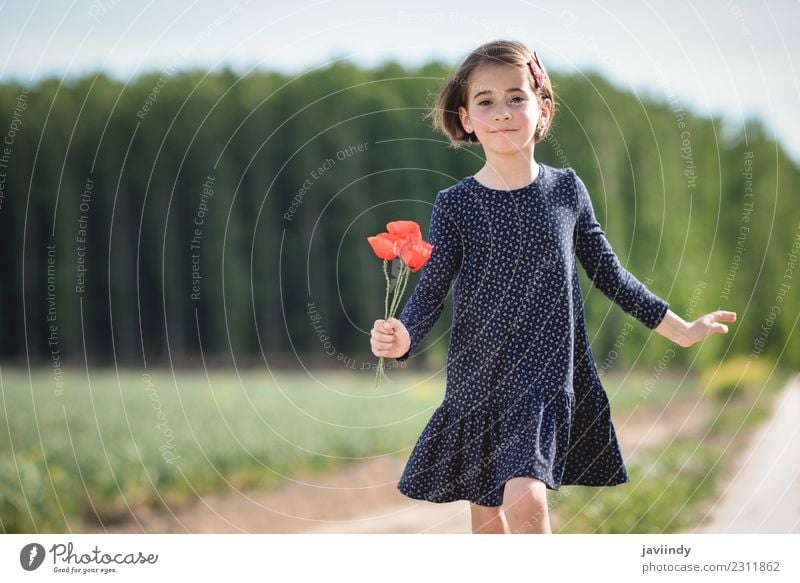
535	182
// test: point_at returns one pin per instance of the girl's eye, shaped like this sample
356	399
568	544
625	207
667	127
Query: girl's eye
521	99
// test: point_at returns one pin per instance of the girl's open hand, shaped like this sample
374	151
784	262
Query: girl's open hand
389	338
705	326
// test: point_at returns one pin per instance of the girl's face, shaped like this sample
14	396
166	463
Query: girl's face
502	109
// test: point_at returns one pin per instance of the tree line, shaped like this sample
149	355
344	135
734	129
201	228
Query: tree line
155	220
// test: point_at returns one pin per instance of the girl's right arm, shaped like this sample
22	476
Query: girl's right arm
425	305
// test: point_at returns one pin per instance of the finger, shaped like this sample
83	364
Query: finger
720	328
377	324
724	315
378	346
388	327
383	338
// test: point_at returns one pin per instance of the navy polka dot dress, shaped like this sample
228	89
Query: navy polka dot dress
523	396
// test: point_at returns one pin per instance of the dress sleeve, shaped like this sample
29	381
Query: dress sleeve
604	269
426	303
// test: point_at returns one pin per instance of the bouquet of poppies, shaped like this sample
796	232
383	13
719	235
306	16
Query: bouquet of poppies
402	239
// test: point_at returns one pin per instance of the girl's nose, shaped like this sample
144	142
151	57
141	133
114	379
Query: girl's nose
502	115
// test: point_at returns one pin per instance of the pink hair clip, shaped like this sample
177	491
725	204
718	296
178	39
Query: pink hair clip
537	69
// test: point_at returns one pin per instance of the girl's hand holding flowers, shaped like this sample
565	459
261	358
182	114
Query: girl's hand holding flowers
389	337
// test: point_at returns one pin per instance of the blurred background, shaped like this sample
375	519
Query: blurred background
187	290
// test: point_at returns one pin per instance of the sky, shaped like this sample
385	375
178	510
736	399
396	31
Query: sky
724	59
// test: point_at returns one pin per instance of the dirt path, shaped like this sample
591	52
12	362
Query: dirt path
363	497
308	503
763	492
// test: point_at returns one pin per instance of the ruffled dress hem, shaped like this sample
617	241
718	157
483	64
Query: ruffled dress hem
470	453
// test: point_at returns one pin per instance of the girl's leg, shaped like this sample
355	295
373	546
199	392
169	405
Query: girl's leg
525	506
488	519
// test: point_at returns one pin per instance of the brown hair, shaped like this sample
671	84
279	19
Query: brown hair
455	91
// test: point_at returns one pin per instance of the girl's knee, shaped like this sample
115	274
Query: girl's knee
531	490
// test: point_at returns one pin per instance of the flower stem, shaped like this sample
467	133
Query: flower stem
389	310
403	288
379	373
388	285
397	293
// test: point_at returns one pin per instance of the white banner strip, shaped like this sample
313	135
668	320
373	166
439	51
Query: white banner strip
401	558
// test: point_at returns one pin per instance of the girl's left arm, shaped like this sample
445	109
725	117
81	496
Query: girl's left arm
604	269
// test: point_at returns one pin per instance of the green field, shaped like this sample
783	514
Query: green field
110	440
82	453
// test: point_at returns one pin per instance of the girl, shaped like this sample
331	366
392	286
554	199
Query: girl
524	410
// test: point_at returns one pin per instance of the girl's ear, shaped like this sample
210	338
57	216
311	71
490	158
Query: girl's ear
546	109
464	116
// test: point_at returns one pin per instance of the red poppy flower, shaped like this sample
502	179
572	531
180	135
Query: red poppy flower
404	229
384	245
415	253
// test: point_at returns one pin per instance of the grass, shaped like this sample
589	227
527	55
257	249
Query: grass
104	444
